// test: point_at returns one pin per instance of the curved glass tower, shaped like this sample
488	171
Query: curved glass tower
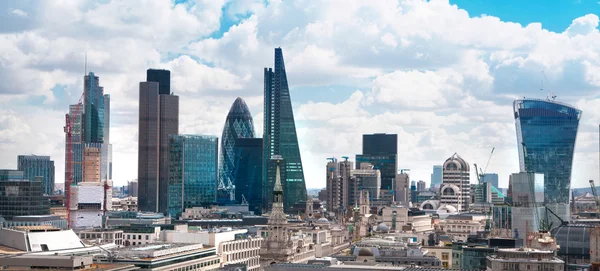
238	124
546	133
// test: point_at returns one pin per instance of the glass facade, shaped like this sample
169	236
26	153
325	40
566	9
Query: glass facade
279	135
247	172
238	124
491	178
546	134
381	151
192	172
93	105
436	176
162	77
20	196
34	166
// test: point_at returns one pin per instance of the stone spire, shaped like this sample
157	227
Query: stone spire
277	215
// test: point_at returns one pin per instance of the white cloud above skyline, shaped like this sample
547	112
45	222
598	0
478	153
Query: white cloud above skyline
440	78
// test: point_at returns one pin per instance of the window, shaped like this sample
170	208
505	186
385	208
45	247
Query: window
134	237
147	237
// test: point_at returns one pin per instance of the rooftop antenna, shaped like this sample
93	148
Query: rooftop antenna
550	94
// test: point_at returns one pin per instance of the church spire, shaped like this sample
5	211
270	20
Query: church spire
277	214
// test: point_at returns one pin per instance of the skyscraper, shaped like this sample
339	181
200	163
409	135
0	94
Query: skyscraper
158	118
20	196
436	176
421	186
546	133
381	150
93	105
456	185
338	176
192	171
162	77
238	124
280	135
491	178
247	153
34	166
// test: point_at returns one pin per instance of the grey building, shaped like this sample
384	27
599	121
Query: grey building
381	150
132	189
158	118
421	186
338	180
368	178
491	178
38	166
436	176
402	191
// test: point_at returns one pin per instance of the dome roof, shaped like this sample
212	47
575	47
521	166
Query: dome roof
573	239
382	227
430	204
365	252
455	162
449	190
449	209
322	220
239	110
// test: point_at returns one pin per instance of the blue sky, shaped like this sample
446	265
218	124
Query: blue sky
444	81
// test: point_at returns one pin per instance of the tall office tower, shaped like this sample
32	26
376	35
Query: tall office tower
238	124
366	178
93	106
280	134
77	144
162	77
546	133
436	176
381	151
491	178
107	147
456	185
159	118
132	189
192	171
247	153
421	185
525	201
402	191
338	176
34	166
20	196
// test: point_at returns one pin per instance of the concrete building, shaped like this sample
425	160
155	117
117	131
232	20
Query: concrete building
168	256
102	236
158	118
402	189
115	219
56	262
53	221
525	200
456	185
338	181
38	239
444	254
91	163
365	178
128	204
421	185
88	200
459	227
524	259
132	189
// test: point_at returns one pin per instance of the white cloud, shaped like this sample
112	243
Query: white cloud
18	12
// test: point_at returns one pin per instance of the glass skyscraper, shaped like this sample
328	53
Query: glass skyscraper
381	151
192	171
546	134
436	176
38	166
238	124
93	105
280	136
20	196
247	173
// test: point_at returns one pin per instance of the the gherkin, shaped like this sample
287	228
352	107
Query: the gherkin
238	124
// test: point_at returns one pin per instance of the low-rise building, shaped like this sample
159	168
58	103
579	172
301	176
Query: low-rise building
122	218
524	259
102	236
459	227
59	262
128	204
168	257
443	253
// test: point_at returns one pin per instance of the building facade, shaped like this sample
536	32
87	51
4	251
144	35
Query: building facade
491	178
238	124
381	150
436	176
20	196
456	186
421	186
546	134
33	166
365	178
279	134
158	118
192	172
248	172
338	181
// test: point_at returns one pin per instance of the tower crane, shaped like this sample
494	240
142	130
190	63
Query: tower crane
595	193
70	121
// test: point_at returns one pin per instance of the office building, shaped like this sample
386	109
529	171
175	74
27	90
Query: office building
338	176
526	195
20	196
546	134
381	150
76	115
524	259
421	186
132	189
158	118
247	153
279	134
87	205
402	192
162	77
365	178
491	178
192	171
93	106
436	176
456	187
34	166
238	124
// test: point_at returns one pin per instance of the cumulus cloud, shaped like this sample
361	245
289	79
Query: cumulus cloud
440	78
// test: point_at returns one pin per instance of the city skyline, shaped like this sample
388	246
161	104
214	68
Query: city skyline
456	92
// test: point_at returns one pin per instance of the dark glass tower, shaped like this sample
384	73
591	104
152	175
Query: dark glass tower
20	196
546	133
381	151
162	77
247	172
158	118
192	172
280	135
238	124
38	166
93	105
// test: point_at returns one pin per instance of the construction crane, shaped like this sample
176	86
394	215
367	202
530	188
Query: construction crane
550	94
70	121
345	158
595	193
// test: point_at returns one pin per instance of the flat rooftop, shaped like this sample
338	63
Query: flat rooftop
95	267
